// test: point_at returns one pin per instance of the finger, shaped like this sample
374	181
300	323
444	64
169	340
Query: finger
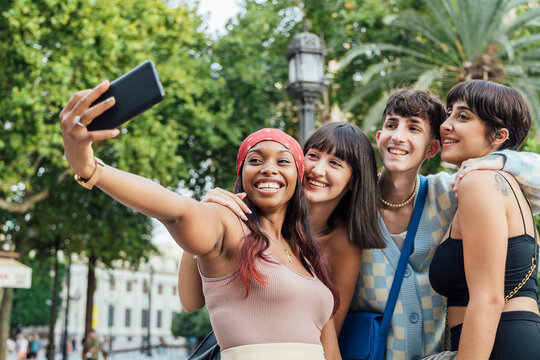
102	134
455	186
211	195
240	202
90	114
241	195
239	212
91	96
72	102
236	197
229	203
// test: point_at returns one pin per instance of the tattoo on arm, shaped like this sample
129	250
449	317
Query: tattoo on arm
500	185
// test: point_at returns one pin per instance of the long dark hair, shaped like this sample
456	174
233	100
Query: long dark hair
296	229
358	208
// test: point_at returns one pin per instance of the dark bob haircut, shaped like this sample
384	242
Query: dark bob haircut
358	208
499	106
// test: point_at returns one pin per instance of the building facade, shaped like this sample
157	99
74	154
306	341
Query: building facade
128	305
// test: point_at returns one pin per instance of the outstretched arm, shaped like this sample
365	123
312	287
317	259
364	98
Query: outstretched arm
185	218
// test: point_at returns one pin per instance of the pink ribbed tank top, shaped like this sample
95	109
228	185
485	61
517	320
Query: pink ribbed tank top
290	308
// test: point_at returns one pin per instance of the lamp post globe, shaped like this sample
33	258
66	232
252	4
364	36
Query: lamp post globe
306	77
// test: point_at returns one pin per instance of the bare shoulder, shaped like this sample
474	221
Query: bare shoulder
341	247
232	230
484	188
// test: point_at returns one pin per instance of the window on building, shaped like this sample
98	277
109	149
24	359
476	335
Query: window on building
160	289
111	316
158	319
127	321
145	287
174	290
128	286
144	318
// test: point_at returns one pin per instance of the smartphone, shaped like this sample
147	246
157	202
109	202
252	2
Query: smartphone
135	92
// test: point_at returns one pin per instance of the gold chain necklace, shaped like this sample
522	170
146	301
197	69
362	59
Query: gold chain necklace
282	248
409	199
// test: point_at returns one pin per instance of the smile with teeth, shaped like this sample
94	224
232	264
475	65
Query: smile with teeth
316	183
397	151
449	141
268	185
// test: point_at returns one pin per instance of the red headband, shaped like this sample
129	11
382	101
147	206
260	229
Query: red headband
271	135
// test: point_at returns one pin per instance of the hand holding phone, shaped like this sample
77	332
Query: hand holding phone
135	92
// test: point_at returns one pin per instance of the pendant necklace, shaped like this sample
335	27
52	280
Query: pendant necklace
284	249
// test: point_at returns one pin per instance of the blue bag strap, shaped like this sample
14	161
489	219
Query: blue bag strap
404	258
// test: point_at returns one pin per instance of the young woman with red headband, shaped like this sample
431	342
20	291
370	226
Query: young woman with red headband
265	282
340	186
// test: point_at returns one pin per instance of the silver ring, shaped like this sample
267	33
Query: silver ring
77	121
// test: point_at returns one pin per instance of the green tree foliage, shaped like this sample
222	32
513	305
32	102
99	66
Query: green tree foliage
250	59
51	49
196	324
31	306
450	42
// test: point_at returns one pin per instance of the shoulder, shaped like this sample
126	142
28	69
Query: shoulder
477	180
223	213
231	225
483	185
340	247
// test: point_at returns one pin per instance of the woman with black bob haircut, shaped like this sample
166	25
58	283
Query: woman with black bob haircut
499	107
486	265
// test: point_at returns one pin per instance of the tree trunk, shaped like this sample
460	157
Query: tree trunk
90	289
5	316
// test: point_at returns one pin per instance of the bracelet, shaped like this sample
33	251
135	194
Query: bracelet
89	184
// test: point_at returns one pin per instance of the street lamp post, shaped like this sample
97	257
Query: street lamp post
306	77
66	313
149	353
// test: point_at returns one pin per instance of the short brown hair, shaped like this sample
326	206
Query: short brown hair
499	106
420	103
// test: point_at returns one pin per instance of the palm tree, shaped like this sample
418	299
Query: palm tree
453	41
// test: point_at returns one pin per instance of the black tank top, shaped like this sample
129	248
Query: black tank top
447	269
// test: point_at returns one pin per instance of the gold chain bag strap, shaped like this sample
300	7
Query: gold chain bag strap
533	262
525	279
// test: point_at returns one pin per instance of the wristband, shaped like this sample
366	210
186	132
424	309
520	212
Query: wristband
89	183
